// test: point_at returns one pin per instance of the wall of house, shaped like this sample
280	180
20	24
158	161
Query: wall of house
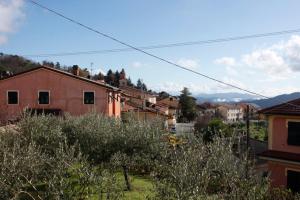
66	93
278	171
278	134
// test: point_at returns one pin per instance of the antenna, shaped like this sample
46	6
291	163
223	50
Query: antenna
91	68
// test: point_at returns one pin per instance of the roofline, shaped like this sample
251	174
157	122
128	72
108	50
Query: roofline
64	73
280	114
278	160
265	110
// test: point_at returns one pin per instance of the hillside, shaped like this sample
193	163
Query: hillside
264	103
224	97
14	64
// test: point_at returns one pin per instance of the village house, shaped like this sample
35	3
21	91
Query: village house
172	103
230	113
143	105
131	109
207	108
283	154
49	90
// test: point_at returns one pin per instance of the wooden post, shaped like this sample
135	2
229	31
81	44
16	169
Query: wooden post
247	140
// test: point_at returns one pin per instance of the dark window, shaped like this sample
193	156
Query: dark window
44	97
294	133
89	98
12	97
293	180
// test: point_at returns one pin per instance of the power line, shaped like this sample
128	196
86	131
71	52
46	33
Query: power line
147	53
160	46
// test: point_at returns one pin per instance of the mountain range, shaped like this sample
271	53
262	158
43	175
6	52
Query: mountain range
225	97
239	97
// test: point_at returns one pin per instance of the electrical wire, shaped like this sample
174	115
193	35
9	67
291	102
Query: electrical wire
150	54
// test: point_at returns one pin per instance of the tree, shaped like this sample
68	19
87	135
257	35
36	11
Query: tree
188	106
129	82
163	94
57	65
117	79
139	84
110	77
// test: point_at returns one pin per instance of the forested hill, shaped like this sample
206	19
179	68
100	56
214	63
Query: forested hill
13	64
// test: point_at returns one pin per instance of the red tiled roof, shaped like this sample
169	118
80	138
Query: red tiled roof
294	157
288	108
67	74
134	107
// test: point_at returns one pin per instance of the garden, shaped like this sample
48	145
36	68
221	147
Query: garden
97	157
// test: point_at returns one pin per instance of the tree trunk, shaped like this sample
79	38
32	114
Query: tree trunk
126	177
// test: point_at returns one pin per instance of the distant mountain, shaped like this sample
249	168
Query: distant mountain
264	103
225	97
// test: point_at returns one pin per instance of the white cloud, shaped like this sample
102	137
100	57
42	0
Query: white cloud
175	88
279	61
195	89
290	51
277	91
188	63
227	61
137	64
3	39
99	70
10	16
232	82
267	60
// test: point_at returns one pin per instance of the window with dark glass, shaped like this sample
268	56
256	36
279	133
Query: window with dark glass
293	133
293	180
12	97
89	98
44	97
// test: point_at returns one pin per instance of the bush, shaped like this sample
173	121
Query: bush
197	170
39	163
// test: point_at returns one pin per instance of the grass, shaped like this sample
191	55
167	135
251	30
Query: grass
141	187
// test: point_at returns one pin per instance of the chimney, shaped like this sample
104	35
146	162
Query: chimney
75	70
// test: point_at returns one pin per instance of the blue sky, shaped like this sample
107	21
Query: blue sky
268	65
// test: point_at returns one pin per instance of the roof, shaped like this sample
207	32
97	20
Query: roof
287	108
66	74
280	155
134	107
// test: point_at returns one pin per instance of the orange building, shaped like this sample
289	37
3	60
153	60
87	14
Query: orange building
50	90
283	154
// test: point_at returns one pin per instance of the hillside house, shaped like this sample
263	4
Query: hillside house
172	103
283	154
231	113
140	113
50	90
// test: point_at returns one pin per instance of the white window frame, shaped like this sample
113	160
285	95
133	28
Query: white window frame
84	91
7	96
39	97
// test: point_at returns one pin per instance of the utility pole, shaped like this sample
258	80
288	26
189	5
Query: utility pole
247	139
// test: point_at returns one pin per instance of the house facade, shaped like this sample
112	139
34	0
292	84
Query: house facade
50	90
283	154
230	113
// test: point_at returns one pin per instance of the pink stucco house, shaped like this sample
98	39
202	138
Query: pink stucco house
283	154
50	90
